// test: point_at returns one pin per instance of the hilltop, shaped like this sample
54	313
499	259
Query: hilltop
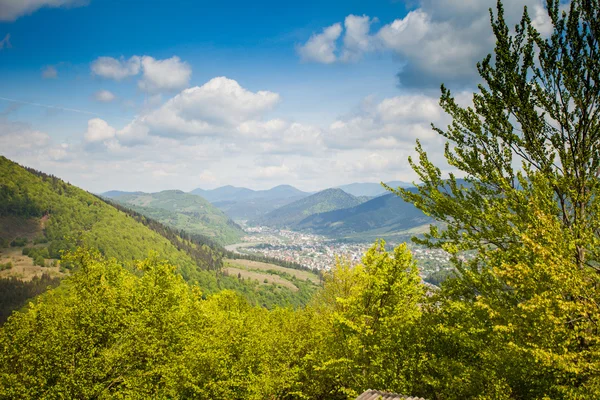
247	204
382	215
291	214
184	211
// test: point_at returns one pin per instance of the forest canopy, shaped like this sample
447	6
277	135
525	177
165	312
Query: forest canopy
517	320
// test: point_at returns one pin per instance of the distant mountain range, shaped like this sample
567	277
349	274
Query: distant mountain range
354	209
381	216
182	211
233	193
290	214
372	189
246	204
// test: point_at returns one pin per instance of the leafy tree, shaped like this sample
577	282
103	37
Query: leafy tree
369	311
521	319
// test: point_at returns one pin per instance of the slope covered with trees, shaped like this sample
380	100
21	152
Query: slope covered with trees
291	214
385	215
74	218
184	211
520	319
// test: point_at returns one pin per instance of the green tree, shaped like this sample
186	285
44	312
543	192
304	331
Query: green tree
521	319
368	311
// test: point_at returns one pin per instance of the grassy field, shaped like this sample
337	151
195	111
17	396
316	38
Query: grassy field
23	267
260	266
261	277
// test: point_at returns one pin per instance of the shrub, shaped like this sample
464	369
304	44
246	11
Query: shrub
19	242
6	266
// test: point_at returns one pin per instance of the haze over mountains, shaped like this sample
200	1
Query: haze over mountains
246	204
357	210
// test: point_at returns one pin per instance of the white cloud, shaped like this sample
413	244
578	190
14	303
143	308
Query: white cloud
168	74
59	153
98	130
207	109
321	47
111	68
440	41
50	72
104	96
279	172
10	10
157	75
18	137
396	121
5	42
357	40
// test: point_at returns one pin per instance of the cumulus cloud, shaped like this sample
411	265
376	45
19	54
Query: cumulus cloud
207	109
396	121
49	72
168	74
5	42
157	75
116	69
321	47
10	10
439	41
357	40
99	130
104	96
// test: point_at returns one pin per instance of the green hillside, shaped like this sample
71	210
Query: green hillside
380	216
73	217
184	211
44	216
291	214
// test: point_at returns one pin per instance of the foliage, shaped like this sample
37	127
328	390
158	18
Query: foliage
108	332
5	266
185	212
520	320
18	242
15	292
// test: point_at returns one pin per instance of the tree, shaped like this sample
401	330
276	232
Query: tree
369	311
529	206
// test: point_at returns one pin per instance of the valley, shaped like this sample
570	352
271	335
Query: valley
318	252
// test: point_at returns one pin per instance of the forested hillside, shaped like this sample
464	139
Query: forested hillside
291	214
184	211
74	217
70	217
383	215
517	319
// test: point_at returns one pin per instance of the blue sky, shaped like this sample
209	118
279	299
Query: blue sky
152	95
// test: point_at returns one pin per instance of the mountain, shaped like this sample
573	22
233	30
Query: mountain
246	204
381	215
184	211
223	193
36	207
290	214
41	217
371	189
233	193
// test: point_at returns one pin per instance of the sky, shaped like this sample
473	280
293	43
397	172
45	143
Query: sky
154	95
